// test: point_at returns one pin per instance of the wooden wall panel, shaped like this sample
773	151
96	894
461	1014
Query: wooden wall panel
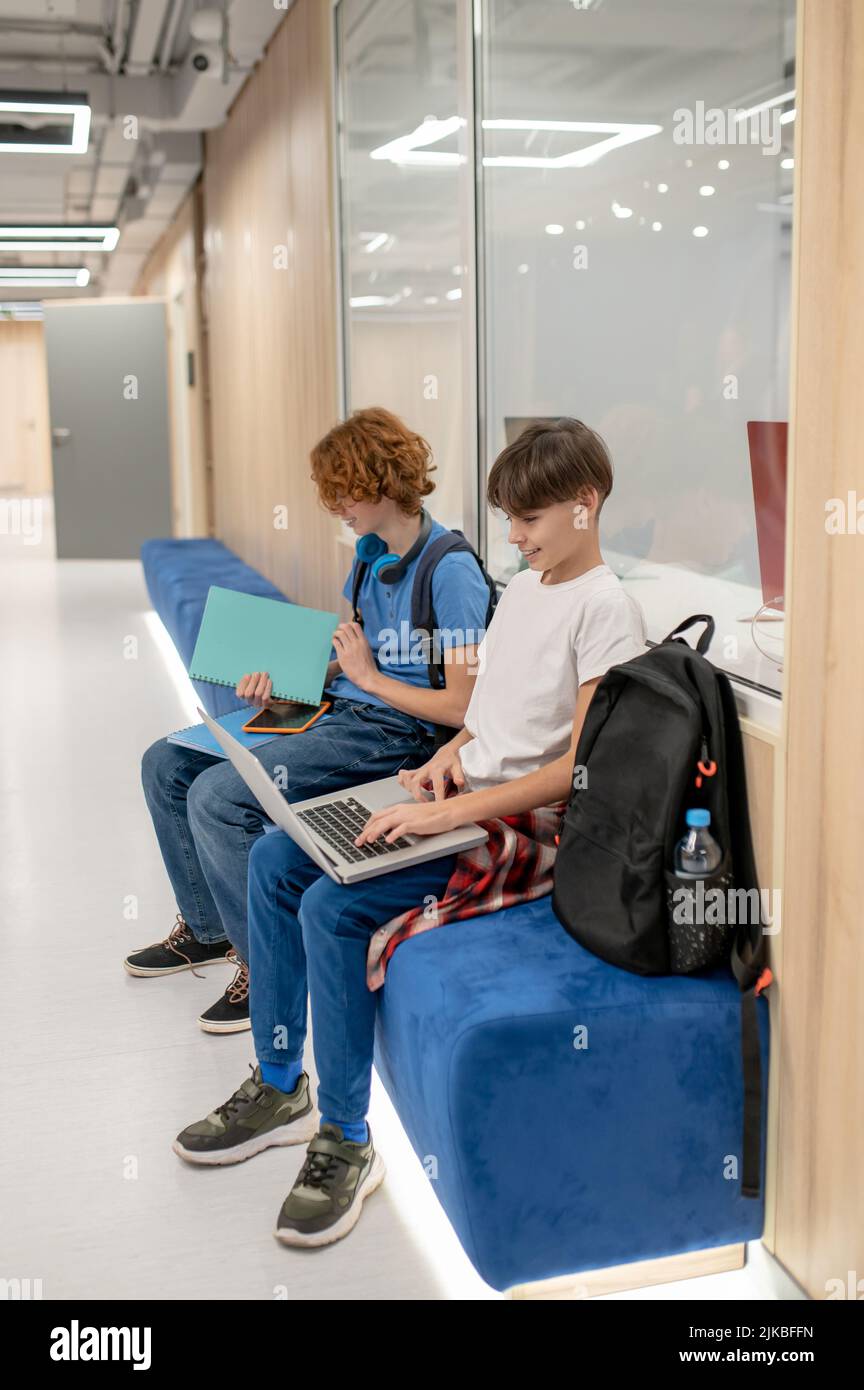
25	438
271	309
171	270
819	1233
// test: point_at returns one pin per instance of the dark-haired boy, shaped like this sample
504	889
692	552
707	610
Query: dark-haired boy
559	626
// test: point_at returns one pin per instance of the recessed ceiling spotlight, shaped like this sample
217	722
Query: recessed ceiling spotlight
722	163
656	226
707	190
620	211
554	228
787	163
523	268
580	225
662	188
700	231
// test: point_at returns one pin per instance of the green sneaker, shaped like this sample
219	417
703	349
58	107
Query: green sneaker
257	1117
336	1178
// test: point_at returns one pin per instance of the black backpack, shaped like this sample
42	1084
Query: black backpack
661	735
423	619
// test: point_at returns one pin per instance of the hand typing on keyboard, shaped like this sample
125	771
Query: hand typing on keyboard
413	818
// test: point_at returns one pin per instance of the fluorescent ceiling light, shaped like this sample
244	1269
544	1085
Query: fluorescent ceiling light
72	112
21	309
410	149
373	301
618	133
44	276
407	149
70	238
766	105
376	241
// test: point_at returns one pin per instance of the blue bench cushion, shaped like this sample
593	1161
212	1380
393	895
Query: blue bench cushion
178	574
552	1160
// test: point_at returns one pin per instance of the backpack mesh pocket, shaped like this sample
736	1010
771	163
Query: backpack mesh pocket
702	922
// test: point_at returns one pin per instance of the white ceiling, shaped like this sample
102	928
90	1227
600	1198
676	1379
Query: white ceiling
133	58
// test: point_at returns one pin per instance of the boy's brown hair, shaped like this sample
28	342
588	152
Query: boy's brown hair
551	461
371	455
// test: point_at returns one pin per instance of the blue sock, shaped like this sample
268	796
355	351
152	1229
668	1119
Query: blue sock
283	1075
358	1133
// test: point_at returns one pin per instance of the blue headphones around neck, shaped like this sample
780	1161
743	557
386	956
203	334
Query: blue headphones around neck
389	568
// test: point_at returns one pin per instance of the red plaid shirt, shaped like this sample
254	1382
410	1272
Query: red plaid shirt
513	866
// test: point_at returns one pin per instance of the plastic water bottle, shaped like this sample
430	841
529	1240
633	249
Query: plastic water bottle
698	854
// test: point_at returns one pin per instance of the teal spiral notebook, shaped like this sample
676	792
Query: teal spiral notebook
242	633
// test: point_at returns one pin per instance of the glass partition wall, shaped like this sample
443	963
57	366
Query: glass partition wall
407	231
629	169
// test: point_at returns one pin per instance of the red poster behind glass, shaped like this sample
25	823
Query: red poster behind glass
768	440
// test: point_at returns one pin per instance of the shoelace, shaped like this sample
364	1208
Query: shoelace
180	932
238	990
243	1094
318	1171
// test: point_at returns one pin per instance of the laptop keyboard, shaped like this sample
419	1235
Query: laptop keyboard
339	823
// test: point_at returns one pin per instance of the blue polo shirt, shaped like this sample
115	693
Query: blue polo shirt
460	599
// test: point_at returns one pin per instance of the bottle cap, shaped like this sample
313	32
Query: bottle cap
698	817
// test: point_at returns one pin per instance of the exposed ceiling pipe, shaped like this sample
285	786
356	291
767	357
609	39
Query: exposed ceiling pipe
120	37
149	19
171	30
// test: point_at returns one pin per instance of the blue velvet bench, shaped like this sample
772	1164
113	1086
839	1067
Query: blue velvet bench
548	1159
551	1160
178	574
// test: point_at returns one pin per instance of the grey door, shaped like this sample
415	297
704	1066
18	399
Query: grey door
110	439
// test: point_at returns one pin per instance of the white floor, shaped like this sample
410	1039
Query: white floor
100	1070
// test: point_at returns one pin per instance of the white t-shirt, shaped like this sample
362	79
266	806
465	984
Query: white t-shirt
543	642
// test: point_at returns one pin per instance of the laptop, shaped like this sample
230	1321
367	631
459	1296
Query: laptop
325	827
768	441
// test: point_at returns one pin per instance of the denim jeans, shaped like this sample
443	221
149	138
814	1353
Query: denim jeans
307	932
207	820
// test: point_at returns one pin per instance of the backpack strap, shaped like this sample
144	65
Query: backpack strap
748	949
747	957
422	608
704	641
359	576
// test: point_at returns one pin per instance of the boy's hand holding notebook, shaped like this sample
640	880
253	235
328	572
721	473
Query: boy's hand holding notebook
241	633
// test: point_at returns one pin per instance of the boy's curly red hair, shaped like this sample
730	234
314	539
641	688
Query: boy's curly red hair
371	455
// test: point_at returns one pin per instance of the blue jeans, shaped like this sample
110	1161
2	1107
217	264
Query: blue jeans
307	932
207	820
